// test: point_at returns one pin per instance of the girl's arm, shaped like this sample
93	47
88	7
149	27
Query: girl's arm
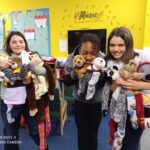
138	85
133	84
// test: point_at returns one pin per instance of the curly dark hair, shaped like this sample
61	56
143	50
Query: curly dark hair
90	37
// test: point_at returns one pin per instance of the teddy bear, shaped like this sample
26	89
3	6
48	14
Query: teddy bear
17	71
14	73
79	66
129	71
134	98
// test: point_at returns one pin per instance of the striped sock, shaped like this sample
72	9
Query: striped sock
41	128
47	121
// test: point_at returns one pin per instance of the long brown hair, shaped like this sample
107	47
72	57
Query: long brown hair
126	35
6	46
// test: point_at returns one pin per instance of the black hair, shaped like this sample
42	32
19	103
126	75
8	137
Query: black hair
90	37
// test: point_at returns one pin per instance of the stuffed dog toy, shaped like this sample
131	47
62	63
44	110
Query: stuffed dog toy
79	66
113	72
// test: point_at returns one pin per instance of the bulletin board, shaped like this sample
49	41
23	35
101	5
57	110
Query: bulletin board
34	24
1	33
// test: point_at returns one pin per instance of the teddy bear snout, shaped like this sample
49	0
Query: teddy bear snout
78	61
111	73
13	65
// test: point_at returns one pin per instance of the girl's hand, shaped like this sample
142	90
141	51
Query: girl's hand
121	82
125	83
138	85
130	84
51	97
6	63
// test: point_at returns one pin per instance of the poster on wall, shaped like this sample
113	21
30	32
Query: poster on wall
29	34
1	33
40	21
34	24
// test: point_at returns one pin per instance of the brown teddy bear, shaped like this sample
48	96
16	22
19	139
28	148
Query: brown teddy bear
134	98
15	71
79	65
129	71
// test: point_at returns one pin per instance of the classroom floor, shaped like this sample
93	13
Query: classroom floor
69	140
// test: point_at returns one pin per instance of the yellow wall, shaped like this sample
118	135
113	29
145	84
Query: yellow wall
64	16
147	26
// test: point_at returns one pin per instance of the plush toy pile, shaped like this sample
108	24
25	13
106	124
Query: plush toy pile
81	68
117	106
135	101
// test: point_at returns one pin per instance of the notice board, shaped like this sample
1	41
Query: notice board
34	24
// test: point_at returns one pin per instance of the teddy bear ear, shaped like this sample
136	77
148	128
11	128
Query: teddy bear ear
84	60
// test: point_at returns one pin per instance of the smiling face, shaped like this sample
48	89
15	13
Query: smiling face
117	47
17	44
120	45
88	52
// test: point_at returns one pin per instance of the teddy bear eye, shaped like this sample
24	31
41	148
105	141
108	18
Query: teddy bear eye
115	67
132	64
147	77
